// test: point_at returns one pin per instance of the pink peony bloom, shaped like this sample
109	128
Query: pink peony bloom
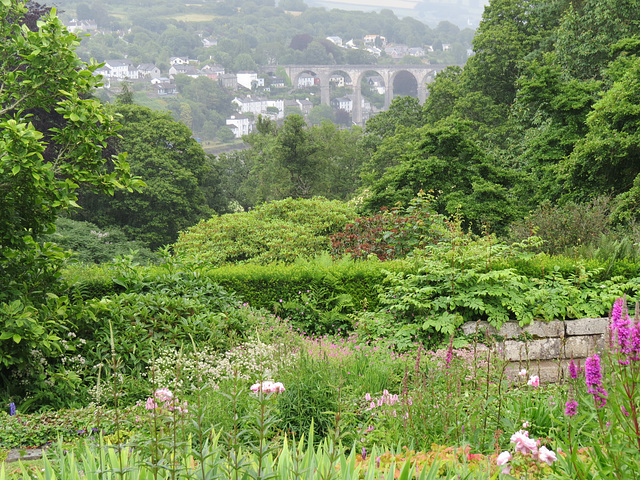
503	458
546	455
524	444
534	381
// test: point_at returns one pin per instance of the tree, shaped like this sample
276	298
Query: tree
172	164
53	135
588	31
509	31
445	160
321	113
295	152
607	159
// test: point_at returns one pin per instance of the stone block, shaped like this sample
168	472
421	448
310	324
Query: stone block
510	330
553	329
583	346
543	349
587	326
469	328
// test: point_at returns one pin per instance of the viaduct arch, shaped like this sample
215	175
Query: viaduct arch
423	74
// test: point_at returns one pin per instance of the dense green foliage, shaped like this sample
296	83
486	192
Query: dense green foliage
177	173
53	138
92	245
292	160
278	231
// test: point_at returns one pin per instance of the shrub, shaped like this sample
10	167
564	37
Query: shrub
277	232
565	226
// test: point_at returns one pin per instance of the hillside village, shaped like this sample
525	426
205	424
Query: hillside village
266	92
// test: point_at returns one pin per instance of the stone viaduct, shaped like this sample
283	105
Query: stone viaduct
423	74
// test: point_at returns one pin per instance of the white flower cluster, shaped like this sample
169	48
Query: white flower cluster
248	361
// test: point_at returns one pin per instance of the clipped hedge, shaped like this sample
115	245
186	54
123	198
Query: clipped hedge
261	285
265	285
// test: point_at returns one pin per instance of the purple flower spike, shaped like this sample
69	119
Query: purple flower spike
364	453
573	369
12	409
571	408
593	372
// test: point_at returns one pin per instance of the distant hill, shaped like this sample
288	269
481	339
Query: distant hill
463	13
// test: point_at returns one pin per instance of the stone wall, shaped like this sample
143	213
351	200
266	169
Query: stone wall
546	348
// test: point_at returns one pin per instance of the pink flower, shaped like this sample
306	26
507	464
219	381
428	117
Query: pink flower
277	387
367	397
163	394
523	372
546	455
503	458
267	387
524	444
534	381
593	371
151	404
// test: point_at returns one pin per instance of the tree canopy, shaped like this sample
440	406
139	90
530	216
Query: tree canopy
174	167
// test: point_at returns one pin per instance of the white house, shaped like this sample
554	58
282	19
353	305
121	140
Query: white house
180	61
371	39
240	125
214	69
75	26
342	103
260	106
121	69
396	51
277	82
156	81
249	80
305	105
335	40
306	80
165	88
209	42
188	70
377	83
337	80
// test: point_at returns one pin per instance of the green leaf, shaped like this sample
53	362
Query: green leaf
16	338
15	170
